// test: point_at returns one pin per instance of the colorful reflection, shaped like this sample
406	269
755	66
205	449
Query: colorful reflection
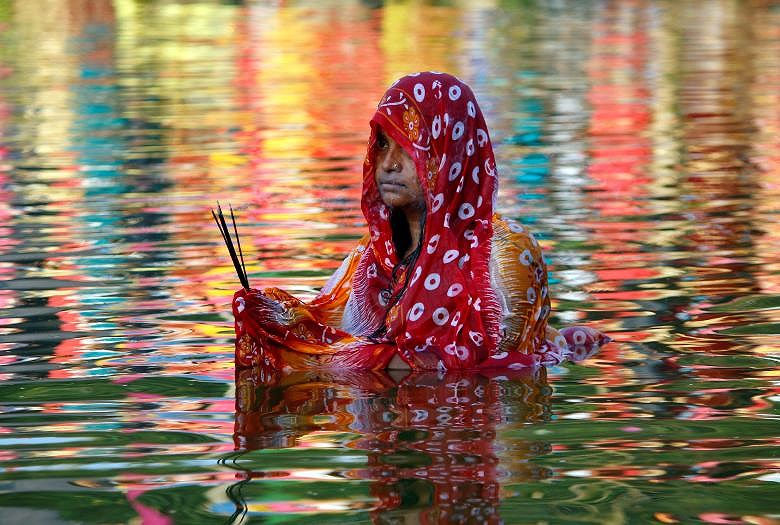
430	442
638	139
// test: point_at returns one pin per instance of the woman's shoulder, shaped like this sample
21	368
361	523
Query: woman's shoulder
510	235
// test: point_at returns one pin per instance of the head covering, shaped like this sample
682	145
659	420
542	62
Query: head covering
441	309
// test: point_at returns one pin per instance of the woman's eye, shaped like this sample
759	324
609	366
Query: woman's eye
381	142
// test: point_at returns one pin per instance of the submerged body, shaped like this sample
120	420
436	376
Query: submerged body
440	281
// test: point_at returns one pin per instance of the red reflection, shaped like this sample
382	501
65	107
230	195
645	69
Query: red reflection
620	152
430	439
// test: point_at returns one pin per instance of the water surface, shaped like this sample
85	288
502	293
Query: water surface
640	140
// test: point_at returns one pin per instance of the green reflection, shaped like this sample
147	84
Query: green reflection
76	506
639	141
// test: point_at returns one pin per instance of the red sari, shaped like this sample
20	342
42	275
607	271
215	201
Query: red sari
475	297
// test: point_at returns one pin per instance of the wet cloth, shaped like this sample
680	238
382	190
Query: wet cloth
474	297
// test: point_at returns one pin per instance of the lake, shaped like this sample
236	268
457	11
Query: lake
639	140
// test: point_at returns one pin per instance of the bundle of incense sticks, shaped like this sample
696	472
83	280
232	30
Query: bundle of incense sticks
238	264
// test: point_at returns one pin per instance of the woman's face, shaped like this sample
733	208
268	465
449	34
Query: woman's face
396	176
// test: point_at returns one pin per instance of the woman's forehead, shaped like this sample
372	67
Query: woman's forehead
431	93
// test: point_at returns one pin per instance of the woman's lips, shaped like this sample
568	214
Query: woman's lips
390	186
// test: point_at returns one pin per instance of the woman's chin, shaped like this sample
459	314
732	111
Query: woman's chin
392	199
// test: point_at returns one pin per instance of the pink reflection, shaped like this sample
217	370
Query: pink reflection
148	515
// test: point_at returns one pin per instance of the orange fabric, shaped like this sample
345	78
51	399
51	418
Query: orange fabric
302	336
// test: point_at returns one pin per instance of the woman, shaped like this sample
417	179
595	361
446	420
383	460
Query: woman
440	281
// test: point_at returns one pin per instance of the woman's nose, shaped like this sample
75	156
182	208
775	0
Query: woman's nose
392	159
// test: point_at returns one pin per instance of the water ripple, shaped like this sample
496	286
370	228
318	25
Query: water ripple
637	139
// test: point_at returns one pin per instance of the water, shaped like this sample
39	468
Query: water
640	140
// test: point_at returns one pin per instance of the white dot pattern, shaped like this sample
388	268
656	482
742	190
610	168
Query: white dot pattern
432	282
435	116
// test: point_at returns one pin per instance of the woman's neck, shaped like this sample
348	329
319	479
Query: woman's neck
415	219
407	224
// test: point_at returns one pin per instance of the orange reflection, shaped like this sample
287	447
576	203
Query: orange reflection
765	151
620	154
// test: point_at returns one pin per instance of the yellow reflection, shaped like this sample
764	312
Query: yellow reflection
416	36
47	65
765	106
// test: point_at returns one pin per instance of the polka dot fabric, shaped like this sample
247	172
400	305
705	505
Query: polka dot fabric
446	305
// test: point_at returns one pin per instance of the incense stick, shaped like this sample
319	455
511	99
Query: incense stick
219	218
238	240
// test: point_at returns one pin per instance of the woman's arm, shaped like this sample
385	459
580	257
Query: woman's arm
328	306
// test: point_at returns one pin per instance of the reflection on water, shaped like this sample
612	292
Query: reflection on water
430	447
639	139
